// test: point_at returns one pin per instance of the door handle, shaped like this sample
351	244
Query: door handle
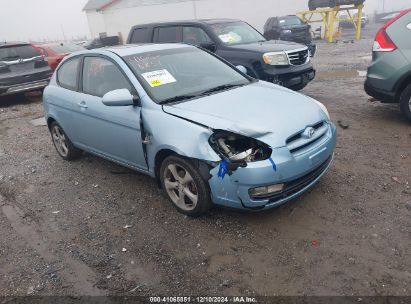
82	105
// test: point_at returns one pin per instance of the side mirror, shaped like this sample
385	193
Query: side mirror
212	47
242	69
119	98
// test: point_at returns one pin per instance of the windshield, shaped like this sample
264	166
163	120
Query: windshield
10	53
233	33
183	73
289	21
66	48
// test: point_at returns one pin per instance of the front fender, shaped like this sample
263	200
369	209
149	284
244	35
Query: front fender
168	132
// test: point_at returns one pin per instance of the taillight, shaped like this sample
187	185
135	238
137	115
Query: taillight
383	42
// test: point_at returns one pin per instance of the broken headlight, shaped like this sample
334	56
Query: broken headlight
239	148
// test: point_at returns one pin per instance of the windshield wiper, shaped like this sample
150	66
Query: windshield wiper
177	98
204	93
220	88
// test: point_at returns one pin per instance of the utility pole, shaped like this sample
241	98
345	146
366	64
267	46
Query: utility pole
64	35
383	6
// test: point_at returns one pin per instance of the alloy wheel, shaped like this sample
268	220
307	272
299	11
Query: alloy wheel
60	141
180	187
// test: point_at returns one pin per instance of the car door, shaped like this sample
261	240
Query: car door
112	132
64	97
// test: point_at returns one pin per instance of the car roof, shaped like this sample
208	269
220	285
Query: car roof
193	21
54	44
132	49
12	43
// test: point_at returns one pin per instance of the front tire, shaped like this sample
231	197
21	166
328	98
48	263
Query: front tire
405	102
298	87
184	186
62	143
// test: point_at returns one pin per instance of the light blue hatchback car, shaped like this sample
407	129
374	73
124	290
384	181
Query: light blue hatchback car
205	130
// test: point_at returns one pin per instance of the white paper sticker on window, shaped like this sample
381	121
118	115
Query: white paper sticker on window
282	21
158	78
227	38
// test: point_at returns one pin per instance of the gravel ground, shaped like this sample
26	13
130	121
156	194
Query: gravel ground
91	227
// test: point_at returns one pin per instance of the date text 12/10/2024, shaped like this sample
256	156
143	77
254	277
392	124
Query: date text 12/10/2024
203	300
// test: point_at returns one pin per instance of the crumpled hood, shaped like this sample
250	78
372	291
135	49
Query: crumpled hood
268	46
260	110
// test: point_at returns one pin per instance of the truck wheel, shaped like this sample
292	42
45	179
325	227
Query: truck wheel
298	87
405	102
251	73
184	186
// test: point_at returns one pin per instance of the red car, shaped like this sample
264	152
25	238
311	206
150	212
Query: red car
57	51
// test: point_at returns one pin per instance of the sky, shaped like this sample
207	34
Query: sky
23	20
38	20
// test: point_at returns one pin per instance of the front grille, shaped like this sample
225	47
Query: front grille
299	57
297	185
299	141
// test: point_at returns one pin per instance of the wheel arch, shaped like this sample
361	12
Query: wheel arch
203	167
402	84
50	120
158	160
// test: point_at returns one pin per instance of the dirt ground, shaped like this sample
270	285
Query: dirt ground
91	227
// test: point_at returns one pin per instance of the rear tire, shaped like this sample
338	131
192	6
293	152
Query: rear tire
184	186
62	143
405	102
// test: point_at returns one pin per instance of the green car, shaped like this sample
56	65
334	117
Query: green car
389	75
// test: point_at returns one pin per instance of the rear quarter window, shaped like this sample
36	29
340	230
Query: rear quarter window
67	74
140	35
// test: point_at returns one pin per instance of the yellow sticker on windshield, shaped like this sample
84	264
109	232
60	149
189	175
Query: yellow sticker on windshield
158	78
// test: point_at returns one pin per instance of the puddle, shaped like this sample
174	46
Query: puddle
340	74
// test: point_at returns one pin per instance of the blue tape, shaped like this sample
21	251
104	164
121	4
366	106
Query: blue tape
273	163
222	171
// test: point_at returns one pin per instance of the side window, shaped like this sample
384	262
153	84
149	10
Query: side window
67	74
195	36
101	76
140	35
170	34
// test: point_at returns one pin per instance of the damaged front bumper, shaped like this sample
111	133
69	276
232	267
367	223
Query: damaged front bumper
297	171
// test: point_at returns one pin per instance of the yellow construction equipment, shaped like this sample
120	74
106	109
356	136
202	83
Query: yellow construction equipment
329	17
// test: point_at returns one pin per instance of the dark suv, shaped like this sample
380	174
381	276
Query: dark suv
314	4
289	28
281	62
389	75
22	69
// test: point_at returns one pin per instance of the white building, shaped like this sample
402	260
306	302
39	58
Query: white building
118	16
